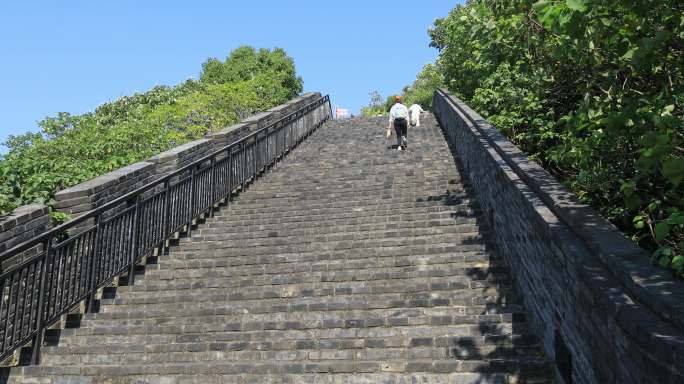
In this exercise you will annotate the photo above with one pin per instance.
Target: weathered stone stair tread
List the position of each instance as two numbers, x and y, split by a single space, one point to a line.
170 316
369 223
312 274
473 238
301 289
346 262
304 235
311 378
351 194
320 258
348 218
349 212
322 319
396 332
338 350
323 366
285 294
385 280
458 298
477 280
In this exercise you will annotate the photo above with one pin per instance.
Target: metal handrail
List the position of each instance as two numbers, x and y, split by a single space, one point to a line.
77 258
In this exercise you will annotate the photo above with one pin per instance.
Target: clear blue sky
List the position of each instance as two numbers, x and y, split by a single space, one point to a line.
74 55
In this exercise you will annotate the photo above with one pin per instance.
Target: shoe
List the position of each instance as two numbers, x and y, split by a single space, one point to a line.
398 148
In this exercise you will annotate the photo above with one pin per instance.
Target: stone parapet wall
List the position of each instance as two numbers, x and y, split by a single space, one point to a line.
237 131
603 313
96 192
19 226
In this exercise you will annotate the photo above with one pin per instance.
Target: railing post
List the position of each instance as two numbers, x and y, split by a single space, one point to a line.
167 213
212 183
192 199
282 130
289 145
267 156
254 157
90 300
134 241
38 339
330 113
243 165
230 175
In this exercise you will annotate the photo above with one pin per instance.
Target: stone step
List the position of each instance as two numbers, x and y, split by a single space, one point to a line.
372 223
317 192
386 283
264 321
332 212
267 292
371 204
403 180
307 282
303 350
354 241
316 262
400 329
302 235
516 366
287 315
346 217
363 249
320 272
459 298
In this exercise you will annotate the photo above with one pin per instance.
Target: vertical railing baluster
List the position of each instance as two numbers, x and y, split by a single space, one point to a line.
92 282
212 183
291 135
192 199
167 219
254 158
230 175
38 338
243 165
18 308
134 242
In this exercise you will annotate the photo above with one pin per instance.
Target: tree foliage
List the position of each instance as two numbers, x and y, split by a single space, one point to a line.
420 92
377 107
422 89
591 89
70 149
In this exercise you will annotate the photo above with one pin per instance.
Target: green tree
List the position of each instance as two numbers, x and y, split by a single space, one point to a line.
592 90
422 89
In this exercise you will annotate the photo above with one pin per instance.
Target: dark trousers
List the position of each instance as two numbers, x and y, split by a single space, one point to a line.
401 128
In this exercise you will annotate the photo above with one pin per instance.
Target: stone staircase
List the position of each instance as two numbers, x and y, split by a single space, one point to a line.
348 262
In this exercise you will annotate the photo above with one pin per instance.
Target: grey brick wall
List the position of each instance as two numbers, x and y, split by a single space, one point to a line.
96 192
603 313
235 132
19 226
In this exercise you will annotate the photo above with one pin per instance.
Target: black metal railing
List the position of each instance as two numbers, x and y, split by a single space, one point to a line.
81 256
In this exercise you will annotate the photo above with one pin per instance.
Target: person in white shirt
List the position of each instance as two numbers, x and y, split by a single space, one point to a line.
414 114
398 117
